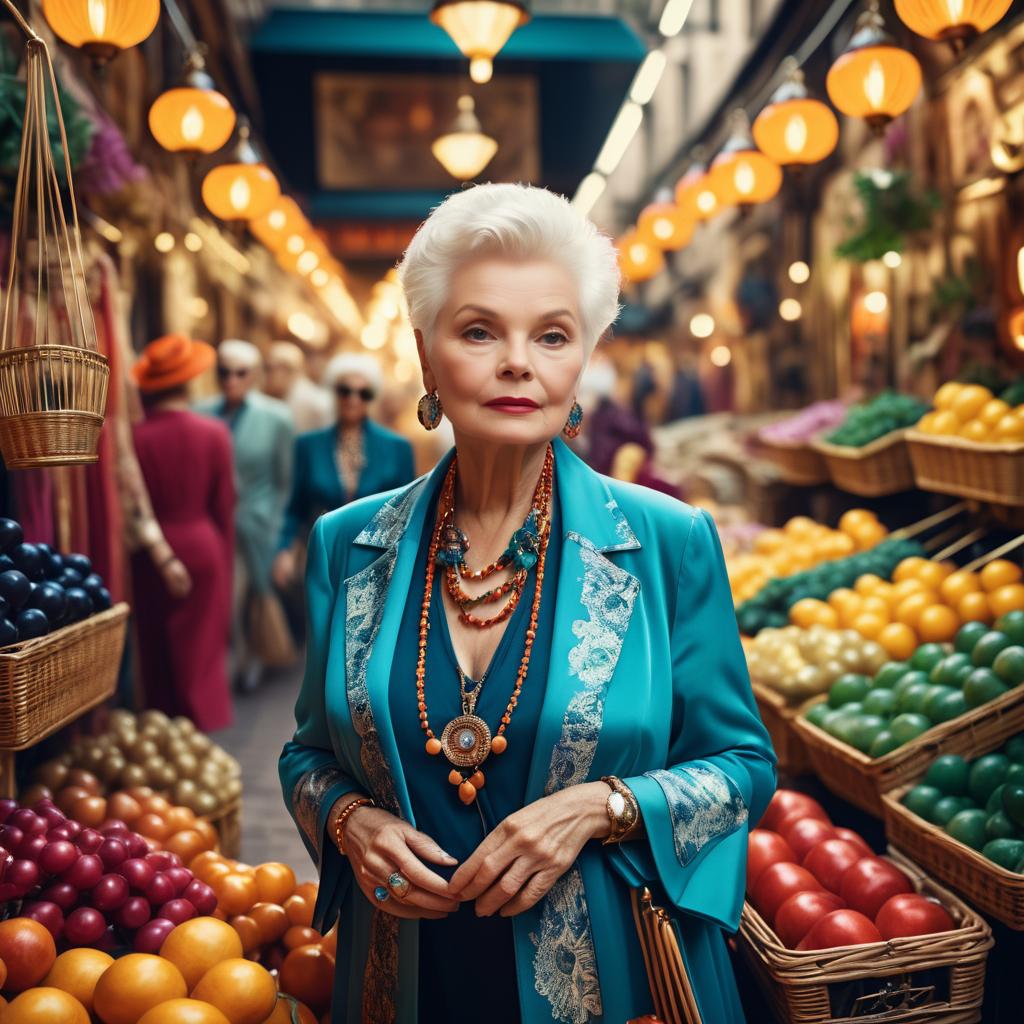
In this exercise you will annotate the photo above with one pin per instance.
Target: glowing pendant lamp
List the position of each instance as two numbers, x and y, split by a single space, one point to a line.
695 193
873 78
795 129
664 225
741 174
243 189
953 21
638 259
193 118
464 151
480 28
280 224
102 28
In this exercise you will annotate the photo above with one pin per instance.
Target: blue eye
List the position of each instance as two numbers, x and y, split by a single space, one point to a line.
476 334
554 338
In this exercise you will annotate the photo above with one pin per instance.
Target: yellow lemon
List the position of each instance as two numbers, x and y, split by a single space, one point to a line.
945 422
1010 427
926 424
971 400
992 412
947 394
1000 573
975 430
899 640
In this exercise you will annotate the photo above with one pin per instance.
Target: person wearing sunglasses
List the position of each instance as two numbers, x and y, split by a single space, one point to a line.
311 406
352 459
263 437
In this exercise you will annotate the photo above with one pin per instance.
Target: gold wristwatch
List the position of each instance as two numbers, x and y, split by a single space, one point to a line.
623 810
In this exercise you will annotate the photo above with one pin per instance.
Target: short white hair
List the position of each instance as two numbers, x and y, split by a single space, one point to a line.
520 222
243 353
289 354
354 363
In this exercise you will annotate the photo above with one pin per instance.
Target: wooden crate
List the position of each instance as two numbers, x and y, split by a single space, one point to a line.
880 468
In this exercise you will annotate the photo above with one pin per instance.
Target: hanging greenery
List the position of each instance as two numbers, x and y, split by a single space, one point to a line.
891 211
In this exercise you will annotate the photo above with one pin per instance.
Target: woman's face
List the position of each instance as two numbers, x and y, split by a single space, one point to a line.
353 395
507 350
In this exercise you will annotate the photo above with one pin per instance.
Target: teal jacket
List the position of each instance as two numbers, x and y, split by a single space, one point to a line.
316 485
646 680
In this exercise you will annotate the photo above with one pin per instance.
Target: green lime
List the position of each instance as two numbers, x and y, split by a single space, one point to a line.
968 827
988 647
885 743
846 728
1014 749
922 800
913 697
949 806
949 773
985 775
909 726
995 799
927 656
981 686
865 730
1009 665
1013 803
880 702
946 708
908 679
969 634
1012 624
1007 853
933 701
1001 827
918 701
830 720
818 713
848 689
1015 772
952 670
889 674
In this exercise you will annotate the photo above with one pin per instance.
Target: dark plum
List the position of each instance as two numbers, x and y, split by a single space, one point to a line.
92 584
32 623
11 534
79 604
30 560
77 562
15 587
51 599
102 600
8 633
69 578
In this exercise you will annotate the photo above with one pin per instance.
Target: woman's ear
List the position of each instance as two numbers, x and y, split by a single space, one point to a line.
428 376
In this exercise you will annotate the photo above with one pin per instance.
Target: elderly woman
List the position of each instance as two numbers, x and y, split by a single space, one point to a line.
525 692
352 459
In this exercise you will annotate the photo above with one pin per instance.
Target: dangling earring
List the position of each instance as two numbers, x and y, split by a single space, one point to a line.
574 423
428 412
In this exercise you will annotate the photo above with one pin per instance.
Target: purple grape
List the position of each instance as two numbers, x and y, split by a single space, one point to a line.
49 915
7 808
180 879
89 840
74 827
115 827
51 815
150 937
10 837
161 860
134 914
85 872
64 894
137 845
159 890
30 847
59 832
28 821
177 911
57 856
84 926
138 873
109 893
114 851
201 896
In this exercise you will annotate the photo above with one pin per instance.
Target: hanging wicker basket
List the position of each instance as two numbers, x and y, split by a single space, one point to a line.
53 381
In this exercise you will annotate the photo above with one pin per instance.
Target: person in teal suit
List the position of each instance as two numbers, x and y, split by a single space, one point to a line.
351 459
525 692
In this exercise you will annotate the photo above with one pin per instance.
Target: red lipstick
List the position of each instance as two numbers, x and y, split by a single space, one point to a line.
512 404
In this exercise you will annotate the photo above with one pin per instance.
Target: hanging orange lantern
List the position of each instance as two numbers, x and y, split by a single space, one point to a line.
280 223
794 128
193 118
639 260
480 28
695 193
243 189
664 225
102 28
873 78
741 174
951 20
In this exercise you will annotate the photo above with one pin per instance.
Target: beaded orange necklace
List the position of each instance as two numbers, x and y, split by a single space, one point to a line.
466 740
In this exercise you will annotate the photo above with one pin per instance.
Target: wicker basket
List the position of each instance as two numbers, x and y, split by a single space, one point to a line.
228 823
923 978
52 402
992 889
777 715
880 468
50 681
798 462
953 465
862 780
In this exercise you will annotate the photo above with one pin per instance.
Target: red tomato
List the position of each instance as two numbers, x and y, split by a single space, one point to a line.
765 848
803 834
870 882
800 912
856 838
840 928
777 883
830 860
785 802
912 914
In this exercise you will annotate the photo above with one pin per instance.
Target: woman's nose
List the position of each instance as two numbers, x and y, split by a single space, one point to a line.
516 359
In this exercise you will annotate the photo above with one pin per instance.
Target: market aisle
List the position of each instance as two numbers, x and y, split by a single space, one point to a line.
263 722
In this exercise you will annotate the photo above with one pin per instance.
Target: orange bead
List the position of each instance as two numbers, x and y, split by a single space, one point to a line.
433 746
467 793
455 777
477 779
498 744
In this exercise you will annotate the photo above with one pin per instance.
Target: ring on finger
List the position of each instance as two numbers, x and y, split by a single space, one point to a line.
381 894
399 885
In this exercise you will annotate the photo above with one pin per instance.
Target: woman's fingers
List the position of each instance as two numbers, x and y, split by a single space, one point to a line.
489 869
426 849
403 908
505 888
535 889
406 863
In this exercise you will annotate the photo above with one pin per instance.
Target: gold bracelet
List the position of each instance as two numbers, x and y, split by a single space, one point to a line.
623 810
339 831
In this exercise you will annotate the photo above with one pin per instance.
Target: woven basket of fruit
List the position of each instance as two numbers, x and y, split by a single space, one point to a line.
873 470
964 822
797 461
843 971
228 823
968 469
48 681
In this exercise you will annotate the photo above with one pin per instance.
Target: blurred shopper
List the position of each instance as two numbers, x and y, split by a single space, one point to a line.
349 460
634 465
263 435
182 582
287 381
609 424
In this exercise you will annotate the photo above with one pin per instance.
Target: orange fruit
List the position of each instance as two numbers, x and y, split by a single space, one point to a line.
91 811
869 534
204 860
992 412
970 401
157 804
926 424
207 831
908 569
973 607
236 892
975 430
308 891
909 609
875 604
801 526
152 826
243 991
855 518
134 984
272 921
947 394
954 586
27 950
1009 428
297 936
931 574
123 807
197 945
248 931
865 585
850 611
808 612
869 625
1007 599
180 818
308 974
77 971
937 624
1000 573
283 1011
899 640
184 1011
945 422
299 910
186 844
843 598
769 541
274 882
45 1006
903 589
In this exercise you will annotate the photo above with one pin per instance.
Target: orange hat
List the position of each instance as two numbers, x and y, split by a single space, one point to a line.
171 361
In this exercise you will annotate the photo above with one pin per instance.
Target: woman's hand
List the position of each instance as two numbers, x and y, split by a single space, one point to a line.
377 844
176 578
530 850
283 569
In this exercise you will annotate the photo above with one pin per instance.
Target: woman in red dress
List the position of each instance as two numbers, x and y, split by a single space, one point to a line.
182 594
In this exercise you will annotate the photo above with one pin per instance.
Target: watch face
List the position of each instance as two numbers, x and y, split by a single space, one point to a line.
617 804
